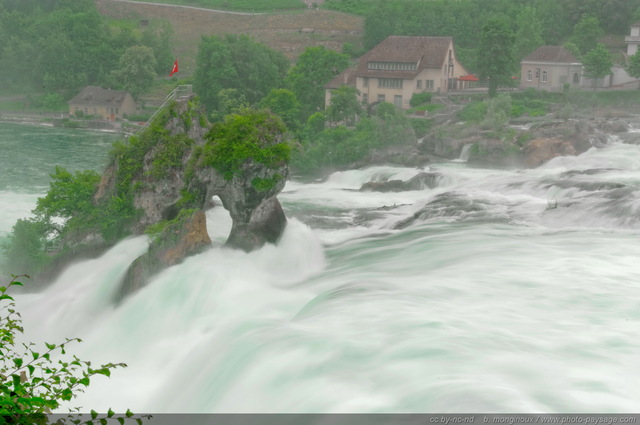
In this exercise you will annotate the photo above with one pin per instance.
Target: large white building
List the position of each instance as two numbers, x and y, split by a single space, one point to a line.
401 66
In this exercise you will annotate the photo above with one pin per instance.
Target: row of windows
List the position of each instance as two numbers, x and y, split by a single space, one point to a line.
428 84
394 66
390 83
396 83
95 110
545 76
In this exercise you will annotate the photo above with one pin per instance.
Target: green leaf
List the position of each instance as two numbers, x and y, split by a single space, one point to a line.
129 413
84 381
35 355
94 414
66 394
31 369
110 413
103 421
121 420
18 363
50 346
139 421
104 371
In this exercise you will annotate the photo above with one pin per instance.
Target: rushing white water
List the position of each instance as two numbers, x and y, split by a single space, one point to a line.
475 296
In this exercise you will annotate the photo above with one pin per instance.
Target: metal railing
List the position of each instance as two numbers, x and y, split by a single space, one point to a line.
180 92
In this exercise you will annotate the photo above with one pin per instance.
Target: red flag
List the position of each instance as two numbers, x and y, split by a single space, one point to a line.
175 68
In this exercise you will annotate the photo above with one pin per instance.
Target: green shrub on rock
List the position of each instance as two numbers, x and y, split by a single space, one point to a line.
250 135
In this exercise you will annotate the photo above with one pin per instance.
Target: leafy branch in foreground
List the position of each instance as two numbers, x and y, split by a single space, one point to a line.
34 382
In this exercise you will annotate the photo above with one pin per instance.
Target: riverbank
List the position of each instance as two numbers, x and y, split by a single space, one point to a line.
57 119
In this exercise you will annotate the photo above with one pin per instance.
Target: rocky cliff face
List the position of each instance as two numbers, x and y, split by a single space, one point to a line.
169 172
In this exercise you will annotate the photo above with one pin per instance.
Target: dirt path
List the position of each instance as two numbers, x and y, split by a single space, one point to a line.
187 7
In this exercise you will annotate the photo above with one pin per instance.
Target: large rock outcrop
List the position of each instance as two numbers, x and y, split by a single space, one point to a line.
167 174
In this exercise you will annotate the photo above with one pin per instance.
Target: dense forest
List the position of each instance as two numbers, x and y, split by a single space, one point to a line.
57 46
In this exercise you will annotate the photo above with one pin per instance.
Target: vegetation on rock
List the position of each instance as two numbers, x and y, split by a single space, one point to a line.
251 135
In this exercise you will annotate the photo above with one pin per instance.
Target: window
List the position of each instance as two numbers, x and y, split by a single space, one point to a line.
418 84
393 66
397 100
390 83
576 78
529 75
365 98
365 82
544 76
381 98
428 84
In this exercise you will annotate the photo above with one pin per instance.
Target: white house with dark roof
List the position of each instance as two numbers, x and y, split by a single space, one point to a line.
401 66
105 103
550 68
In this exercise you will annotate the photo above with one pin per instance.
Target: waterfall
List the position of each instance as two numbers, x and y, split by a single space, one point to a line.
464 154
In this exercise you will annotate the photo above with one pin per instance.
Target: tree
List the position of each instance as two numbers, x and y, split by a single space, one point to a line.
237 62
52 101
229 101
344 105
316 66
495 52
34 382
597 63
573 49
555 26
633 66
159 40
136 70
283 103
528 35
586 33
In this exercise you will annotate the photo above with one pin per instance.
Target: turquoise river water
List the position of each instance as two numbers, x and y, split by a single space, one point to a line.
496 291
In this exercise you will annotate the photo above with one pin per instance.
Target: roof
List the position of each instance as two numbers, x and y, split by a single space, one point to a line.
94 95
551 54
427 52
346 77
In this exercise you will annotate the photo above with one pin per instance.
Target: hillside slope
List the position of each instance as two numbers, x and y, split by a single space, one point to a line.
289 33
